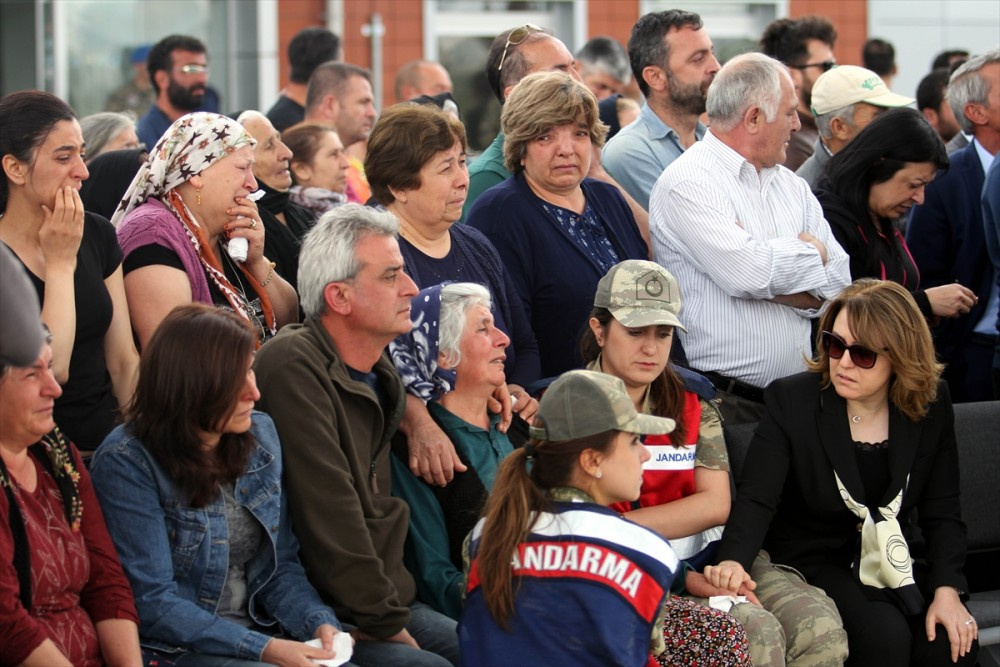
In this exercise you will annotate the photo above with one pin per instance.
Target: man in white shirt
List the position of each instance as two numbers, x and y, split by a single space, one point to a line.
746 239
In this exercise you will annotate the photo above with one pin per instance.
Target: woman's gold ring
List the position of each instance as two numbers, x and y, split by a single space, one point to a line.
970 621
253 223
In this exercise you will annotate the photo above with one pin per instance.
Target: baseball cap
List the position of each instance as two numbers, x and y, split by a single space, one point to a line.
582 403
640 293
850 84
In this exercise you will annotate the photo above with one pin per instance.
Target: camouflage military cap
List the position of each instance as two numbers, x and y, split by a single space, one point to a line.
582 403
639 294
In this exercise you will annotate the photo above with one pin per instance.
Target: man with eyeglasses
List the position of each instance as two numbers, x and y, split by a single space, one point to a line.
805 46
178 70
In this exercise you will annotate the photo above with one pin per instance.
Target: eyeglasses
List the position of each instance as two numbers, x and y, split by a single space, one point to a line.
835 346
194 69
516 36
827 65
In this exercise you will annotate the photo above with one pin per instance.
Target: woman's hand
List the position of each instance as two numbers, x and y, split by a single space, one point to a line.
62 229
952 300
245 223
285 652
947 610
522 402
699 586
730 576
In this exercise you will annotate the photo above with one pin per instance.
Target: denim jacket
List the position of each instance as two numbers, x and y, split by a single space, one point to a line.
177 556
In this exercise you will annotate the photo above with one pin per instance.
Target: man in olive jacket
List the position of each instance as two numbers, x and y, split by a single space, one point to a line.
336 400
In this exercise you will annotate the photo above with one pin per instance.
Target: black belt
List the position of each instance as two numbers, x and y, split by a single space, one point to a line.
735 387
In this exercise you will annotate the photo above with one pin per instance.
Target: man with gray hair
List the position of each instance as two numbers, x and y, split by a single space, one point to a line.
603 66
844 101
746 239
336 400
673 63
945 233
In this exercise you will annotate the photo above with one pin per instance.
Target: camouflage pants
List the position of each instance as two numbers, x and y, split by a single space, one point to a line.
798 624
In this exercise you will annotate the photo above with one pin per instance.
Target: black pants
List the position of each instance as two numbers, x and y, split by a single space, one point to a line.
878 633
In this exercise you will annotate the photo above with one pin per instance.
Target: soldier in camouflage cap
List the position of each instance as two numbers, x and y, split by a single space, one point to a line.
582 403
640 293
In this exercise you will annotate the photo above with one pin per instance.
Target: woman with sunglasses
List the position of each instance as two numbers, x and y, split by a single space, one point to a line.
844 455
872 183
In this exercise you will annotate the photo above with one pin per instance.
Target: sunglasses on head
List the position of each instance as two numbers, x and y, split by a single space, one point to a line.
516 36
835 346
827 65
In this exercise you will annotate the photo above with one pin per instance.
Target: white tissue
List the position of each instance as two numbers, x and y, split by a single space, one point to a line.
255 196
725 602
238 248
343 646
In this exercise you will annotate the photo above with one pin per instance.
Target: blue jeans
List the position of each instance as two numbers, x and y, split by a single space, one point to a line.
153 658
435 633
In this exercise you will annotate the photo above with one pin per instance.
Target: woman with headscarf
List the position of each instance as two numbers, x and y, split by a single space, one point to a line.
180 224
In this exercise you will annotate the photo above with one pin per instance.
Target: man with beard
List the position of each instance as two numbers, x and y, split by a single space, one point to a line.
284 222
178 70
805 46
673 63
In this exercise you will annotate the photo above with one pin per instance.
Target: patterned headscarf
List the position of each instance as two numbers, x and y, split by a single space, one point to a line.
415 354
191 145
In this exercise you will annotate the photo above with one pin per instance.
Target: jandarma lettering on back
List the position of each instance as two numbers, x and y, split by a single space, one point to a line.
663 457
547 558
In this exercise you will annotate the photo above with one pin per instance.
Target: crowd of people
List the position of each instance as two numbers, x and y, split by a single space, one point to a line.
280 387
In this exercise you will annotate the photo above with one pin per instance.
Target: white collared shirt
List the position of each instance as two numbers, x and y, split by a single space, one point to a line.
729 233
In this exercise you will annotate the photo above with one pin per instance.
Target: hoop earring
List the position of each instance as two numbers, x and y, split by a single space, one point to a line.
197 196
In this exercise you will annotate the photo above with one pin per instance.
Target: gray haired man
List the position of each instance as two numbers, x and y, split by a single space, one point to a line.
844 101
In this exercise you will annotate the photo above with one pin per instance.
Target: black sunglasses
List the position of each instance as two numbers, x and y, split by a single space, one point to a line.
835 346
516 36
827 65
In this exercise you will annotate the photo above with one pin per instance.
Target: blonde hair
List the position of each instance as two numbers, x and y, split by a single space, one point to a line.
540 102
883 316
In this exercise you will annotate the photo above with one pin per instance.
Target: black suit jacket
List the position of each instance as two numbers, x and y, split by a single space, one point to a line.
788 502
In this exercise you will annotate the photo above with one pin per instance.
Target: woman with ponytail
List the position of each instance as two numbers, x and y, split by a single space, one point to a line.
550 558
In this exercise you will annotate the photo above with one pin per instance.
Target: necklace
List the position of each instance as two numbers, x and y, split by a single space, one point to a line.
856 419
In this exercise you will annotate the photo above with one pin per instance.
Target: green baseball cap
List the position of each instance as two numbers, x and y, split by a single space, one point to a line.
582 403
639 294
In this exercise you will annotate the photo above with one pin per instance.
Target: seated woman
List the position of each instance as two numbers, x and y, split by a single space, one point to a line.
187 200
547 513
557 231
453 358
318 165
844 455
869 186
685 493
73 260
416 167
63 597
191 488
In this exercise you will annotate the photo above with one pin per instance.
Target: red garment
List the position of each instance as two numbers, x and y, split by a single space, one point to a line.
669 473
76 577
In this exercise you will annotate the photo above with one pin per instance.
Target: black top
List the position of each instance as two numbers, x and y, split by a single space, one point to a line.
282 241
285 113
87 409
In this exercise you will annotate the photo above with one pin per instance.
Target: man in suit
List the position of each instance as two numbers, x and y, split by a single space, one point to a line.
945 233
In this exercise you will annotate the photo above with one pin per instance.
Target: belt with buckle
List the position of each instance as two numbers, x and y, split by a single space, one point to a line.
735 387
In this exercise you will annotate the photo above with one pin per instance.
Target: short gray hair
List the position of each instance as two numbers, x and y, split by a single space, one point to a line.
100 128
964 88
607 55
457 299
748 80
329 250
845 114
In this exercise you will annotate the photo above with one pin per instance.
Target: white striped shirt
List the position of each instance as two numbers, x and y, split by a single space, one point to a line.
729 236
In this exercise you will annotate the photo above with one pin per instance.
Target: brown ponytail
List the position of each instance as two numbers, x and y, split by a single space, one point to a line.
516 494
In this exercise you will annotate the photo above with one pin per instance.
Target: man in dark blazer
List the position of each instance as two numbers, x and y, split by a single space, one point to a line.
945 233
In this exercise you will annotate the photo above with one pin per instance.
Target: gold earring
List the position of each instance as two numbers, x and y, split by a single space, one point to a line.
197 200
